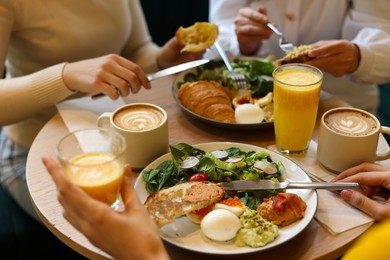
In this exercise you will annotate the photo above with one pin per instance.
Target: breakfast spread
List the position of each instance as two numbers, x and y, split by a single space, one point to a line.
188 185
198 37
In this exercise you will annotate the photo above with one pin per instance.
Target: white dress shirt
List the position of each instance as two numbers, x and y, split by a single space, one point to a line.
365 23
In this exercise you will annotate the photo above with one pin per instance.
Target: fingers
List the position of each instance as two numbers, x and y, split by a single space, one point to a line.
56 172
76 203
376 210
251 21
111 75
129 196
124 75
254 16
364 167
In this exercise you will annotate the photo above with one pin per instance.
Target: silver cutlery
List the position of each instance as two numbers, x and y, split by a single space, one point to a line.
283 43
238 78
270 185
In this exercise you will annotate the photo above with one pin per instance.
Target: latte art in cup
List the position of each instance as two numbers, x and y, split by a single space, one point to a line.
138 118
351 123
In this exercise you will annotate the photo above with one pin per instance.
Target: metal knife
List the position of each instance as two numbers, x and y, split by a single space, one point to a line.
169 71
270 185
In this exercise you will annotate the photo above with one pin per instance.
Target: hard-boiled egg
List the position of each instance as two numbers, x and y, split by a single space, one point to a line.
220 225
248 114
234 209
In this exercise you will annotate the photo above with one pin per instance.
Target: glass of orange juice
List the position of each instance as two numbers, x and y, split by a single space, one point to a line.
93 159
296 98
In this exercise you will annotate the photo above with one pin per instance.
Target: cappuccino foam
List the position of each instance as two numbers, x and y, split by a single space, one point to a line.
138 118
352 123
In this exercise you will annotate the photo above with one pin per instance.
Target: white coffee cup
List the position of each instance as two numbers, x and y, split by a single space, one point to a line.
145 128
349 136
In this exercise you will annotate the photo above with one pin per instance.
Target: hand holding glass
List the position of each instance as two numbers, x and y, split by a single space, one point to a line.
296 99
94 160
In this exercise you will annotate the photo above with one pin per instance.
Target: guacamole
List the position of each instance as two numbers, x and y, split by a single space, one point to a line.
255 231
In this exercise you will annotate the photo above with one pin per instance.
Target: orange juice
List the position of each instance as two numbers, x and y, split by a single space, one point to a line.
296 98
99 174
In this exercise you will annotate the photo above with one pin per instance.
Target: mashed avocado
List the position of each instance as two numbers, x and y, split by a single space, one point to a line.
255 231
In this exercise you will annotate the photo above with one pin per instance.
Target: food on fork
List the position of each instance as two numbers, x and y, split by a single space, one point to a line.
208 99
168 204
283 209
198 37
297 55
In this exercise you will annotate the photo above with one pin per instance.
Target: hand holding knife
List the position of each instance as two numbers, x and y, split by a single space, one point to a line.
169 71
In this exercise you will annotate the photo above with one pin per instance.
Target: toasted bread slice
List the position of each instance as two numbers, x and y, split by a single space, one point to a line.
168 204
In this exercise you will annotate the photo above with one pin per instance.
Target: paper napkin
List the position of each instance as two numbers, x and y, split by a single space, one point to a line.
84 112
333 213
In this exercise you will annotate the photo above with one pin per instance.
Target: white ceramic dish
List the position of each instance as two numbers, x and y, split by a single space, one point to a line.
185 234
175 90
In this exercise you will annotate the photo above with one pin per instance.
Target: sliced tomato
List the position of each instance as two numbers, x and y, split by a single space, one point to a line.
199 177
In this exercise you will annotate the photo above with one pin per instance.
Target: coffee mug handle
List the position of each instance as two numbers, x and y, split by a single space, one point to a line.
104 120
386 155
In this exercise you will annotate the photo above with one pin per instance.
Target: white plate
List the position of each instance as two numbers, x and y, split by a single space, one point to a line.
185 234
175 90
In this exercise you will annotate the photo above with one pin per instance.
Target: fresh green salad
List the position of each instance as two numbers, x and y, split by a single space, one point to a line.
257 72
192 164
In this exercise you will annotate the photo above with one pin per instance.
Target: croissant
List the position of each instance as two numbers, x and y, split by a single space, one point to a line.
208 99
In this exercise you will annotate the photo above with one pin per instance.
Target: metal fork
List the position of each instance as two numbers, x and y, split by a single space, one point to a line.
283 43
237 78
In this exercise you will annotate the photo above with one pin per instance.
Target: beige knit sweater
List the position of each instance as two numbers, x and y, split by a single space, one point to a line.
38 37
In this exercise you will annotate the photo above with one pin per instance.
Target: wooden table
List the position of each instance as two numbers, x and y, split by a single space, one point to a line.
313 243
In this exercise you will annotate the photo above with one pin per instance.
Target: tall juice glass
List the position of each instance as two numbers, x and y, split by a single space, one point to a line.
296 98
93 159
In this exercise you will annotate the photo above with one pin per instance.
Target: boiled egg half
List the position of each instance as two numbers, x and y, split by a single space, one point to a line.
248 114
220 225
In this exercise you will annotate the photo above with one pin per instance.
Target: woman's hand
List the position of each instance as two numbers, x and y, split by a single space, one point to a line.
170 54
337 57
111 75
130 234
251 28
374 181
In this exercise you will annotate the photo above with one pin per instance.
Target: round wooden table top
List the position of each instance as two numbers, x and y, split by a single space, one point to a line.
314 242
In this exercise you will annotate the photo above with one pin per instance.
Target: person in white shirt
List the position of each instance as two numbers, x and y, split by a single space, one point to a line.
57 50
351 39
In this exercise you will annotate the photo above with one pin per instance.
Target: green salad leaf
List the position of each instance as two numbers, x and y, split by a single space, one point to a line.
171 172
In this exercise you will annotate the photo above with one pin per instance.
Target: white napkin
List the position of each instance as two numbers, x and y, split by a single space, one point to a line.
84 112
333 213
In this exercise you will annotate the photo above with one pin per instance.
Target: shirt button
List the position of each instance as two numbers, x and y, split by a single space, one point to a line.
290 17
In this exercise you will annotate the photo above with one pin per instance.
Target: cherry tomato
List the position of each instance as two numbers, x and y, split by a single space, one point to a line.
198 177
